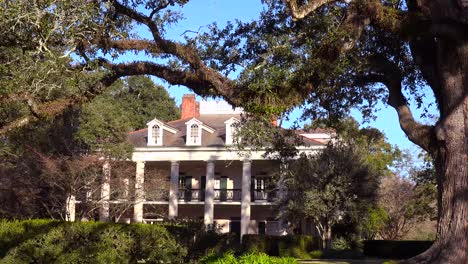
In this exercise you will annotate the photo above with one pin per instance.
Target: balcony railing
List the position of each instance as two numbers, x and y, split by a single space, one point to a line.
227 195
189 195
222 195
263 195
157 195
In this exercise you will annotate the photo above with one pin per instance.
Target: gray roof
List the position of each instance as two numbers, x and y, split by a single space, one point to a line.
216 139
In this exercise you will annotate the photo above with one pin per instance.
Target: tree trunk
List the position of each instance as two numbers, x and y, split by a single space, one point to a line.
326 237
450 151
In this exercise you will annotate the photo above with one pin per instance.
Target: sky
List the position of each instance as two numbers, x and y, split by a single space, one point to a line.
199 13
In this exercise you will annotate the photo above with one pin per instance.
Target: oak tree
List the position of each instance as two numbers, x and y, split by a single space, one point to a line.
331 55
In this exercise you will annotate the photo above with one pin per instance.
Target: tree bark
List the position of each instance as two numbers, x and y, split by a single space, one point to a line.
450 153
326 236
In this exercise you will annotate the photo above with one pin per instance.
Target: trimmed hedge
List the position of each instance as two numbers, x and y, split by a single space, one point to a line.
297 246
395 249
48 241
258 258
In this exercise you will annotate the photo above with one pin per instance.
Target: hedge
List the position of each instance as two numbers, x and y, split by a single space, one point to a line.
257 258
48 241
395 249
297 246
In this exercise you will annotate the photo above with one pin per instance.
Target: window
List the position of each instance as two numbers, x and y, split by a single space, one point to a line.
231 129
194 136
156 133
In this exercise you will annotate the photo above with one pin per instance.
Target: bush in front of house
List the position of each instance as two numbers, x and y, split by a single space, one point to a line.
395 249
48 241
258 258
297 246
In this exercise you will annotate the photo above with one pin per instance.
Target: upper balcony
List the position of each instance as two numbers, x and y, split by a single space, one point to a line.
224 196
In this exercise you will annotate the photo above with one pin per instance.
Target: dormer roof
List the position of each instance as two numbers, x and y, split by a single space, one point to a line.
200 123
163 125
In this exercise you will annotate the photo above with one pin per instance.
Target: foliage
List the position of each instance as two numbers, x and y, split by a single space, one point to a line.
63 158
48 241
374 222
404 204
316 254
257 258
127 106
370 143
329 57
328 187
297 246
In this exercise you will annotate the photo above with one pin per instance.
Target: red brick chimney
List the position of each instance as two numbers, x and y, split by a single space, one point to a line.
189 108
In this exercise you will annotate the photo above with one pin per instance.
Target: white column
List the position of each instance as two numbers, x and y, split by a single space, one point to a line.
70 208
105 192
284 167
174 190
125 188
139 192
209 194
245 203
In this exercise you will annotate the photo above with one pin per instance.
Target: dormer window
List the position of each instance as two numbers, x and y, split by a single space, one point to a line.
231 128
155 132
194 134
157 139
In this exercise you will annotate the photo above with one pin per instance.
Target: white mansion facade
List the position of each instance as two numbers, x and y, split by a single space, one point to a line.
206 178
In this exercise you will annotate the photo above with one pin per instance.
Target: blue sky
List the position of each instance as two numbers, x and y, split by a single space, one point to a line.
199 13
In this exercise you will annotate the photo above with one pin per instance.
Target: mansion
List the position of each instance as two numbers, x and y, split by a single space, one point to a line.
203 176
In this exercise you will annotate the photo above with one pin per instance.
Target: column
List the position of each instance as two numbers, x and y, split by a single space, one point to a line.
245 202
105 192
209 194
70 208
125 188
282 223
87 205
174 190
139 192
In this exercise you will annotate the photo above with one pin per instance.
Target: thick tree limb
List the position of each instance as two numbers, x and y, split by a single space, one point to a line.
299 12
219 84
123 45
419 134
390 75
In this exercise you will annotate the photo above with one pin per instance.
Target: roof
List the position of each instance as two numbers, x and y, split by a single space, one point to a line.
138 138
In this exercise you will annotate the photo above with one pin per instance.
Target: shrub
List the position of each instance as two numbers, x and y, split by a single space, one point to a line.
316 254
87 242
154 244
288 246
395 249
250 258
14 232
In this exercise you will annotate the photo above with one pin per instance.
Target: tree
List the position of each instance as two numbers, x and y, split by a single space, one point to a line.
329 54
431 37
65 156
127 106
404 206
327 188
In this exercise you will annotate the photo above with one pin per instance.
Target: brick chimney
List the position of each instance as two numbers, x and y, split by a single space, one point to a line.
189 108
